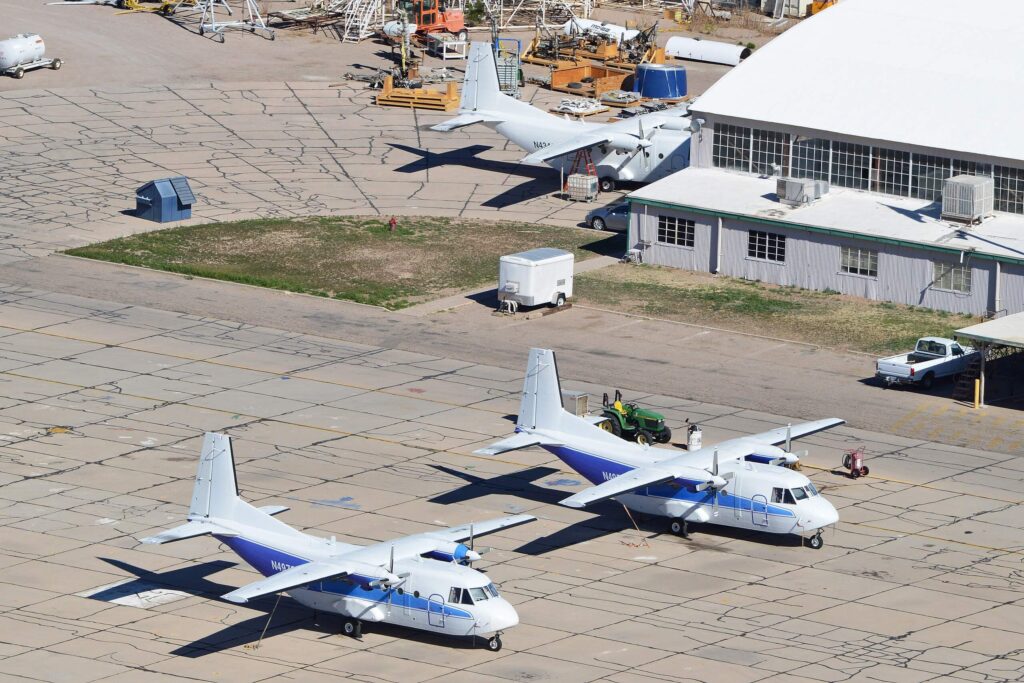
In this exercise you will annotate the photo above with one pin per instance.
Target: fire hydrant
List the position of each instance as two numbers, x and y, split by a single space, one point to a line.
854 461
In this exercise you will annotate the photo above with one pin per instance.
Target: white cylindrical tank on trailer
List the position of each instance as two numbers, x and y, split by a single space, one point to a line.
21 49
393 29
575 27
706 50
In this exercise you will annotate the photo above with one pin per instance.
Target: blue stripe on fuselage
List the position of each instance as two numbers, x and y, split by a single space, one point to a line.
597 470
269 561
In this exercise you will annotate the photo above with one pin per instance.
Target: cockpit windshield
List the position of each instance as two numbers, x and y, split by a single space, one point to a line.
470 596
793 496
800 493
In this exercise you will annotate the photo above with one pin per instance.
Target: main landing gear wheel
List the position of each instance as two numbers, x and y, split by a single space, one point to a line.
353 628
679 528
815 541
494 643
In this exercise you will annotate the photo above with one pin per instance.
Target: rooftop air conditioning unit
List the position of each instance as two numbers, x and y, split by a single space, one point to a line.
799 191
967 198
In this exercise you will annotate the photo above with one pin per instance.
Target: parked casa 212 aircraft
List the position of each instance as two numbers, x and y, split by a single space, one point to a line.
422 581
639 149
738 483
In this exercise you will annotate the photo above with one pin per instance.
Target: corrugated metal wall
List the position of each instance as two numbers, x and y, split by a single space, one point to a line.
813 262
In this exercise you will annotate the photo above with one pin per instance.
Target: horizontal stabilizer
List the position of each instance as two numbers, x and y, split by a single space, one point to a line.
188 530
273 509
513 443
460 121
296 577
595 419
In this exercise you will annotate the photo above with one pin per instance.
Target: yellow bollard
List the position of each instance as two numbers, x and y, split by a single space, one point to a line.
977 394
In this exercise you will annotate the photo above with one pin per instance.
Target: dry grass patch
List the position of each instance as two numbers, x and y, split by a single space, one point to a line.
348 257
824 318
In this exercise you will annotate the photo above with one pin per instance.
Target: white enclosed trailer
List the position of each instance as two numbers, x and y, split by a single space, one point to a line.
535 277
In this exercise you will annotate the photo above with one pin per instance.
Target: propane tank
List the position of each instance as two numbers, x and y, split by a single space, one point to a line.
599 29
393 29
21 49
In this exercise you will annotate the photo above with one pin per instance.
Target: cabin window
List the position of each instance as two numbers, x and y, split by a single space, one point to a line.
787 497
800 494
776 495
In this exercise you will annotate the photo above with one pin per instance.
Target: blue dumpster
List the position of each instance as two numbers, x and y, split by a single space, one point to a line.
165 200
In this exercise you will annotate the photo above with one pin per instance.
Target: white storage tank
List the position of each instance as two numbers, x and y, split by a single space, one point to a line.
536 277
21 49
706 50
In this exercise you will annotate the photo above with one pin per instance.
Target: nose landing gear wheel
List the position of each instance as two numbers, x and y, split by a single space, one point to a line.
679 528
815 541
494 643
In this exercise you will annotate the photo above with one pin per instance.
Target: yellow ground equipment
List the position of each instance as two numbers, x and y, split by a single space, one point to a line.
419 98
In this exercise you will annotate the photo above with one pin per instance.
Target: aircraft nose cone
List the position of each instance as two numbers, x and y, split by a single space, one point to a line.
502 615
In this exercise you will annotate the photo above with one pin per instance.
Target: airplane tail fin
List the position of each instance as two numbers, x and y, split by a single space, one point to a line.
216 507
541 405
480 87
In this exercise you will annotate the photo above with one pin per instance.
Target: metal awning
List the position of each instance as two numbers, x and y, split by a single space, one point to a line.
1005 331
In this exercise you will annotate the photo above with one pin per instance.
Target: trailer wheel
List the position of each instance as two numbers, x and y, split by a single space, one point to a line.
57 64
559 300
18 73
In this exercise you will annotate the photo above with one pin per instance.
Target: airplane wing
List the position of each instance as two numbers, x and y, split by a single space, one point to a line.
457 534
459 121
568 147
634 479
302 575
778 435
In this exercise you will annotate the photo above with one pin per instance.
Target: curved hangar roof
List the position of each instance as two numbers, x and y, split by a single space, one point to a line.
936 73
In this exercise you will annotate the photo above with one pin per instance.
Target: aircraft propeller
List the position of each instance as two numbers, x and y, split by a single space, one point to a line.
716 483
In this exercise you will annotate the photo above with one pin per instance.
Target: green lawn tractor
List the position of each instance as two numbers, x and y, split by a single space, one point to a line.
633 423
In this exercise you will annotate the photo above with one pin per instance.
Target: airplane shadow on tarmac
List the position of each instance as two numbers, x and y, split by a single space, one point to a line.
286 616
542 180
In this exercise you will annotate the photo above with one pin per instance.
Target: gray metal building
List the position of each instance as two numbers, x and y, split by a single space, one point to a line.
864 122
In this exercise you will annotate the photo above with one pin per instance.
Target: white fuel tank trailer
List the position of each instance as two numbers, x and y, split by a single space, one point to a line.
24 52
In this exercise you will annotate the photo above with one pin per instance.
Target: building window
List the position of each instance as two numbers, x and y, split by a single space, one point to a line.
961 167
952 277
770 150
929 175
811 158
891 172
859 261
768 246
731 148
851 165
673 230
1009 189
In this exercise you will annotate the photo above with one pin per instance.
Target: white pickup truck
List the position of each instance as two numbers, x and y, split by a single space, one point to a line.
932 358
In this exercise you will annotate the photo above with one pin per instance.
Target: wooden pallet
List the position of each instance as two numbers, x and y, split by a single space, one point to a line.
418 98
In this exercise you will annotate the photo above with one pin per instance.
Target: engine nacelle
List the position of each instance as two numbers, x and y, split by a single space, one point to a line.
454 552
772 455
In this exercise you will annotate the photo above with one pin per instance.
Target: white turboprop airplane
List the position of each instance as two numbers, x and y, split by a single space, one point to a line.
737 483
640 149
421 581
